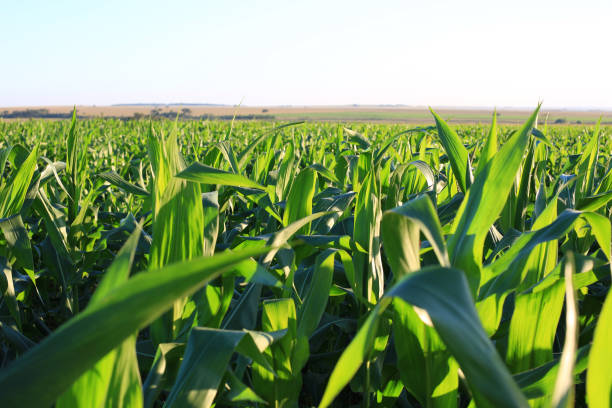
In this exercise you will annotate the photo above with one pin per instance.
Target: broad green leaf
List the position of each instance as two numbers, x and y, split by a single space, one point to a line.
282 236
206 359
315 301
563 395
445 295
358 139
76 167
178 224
201 173
599 375
324 171
228 154
299 201
366 231
490 147
601 229
210 206
539 382
14 192
18 242
286 356
426 170
504 275
286 173
163 371
456 152
533 327
114 381
336 206
426 367
587 166
15 338
118 181
239 392
401 229
244 313
522 196
4 155
33 380
595 202
7 289
354 355
244 155
483 203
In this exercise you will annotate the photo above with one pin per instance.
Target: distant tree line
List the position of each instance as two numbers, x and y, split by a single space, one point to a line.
35 113
185 113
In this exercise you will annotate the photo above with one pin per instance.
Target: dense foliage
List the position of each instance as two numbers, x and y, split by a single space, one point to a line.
304 264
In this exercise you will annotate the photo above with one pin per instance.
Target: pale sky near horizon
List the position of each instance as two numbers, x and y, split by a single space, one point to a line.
438 53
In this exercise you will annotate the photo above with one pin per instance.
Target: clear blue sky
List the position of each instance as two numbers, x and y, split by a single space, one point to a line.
460 53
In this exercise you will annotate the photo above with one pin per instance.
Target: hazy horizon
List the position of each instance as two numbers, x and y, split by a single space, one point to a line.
323 106
473 54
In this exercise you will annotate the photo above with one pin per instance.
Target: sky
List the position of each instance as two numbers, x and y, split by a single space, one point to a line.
469 53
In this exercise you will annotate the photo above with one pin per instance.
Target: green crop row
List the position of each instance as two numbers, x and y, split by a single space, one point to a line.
199 264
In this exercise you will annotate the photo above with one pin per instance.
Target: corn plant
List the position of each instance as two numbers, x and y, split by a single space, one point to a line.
150 263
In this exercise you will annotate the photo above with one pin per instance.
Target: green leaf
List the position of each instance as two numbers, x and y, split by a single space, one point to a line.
539 382
7 288
504 275
178 225
206 359
563 395
245 155
210 206
358 139
201 173
594 203
286 356
239 392
18 242
285 173
490 147
426 170
20 342
426 367
324 171
4 155
366 232
521 201
118 181
228 154
244 314
401 229
533 327
483 203
33 380
281 237
599 375
315 301
162 374
457 153
335 206
14 192
354 355
587 166
299 201
445 295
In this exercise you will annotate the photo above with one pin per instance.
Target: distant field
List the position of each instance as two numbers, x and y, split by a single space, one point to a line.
293 254
417 115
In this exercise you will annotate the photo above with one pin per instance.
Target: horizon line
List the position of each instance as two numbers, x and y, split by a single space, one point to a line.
346 105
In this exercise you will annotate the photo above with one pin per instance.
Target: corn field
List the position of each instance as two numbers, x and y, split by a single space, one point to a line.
199 264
